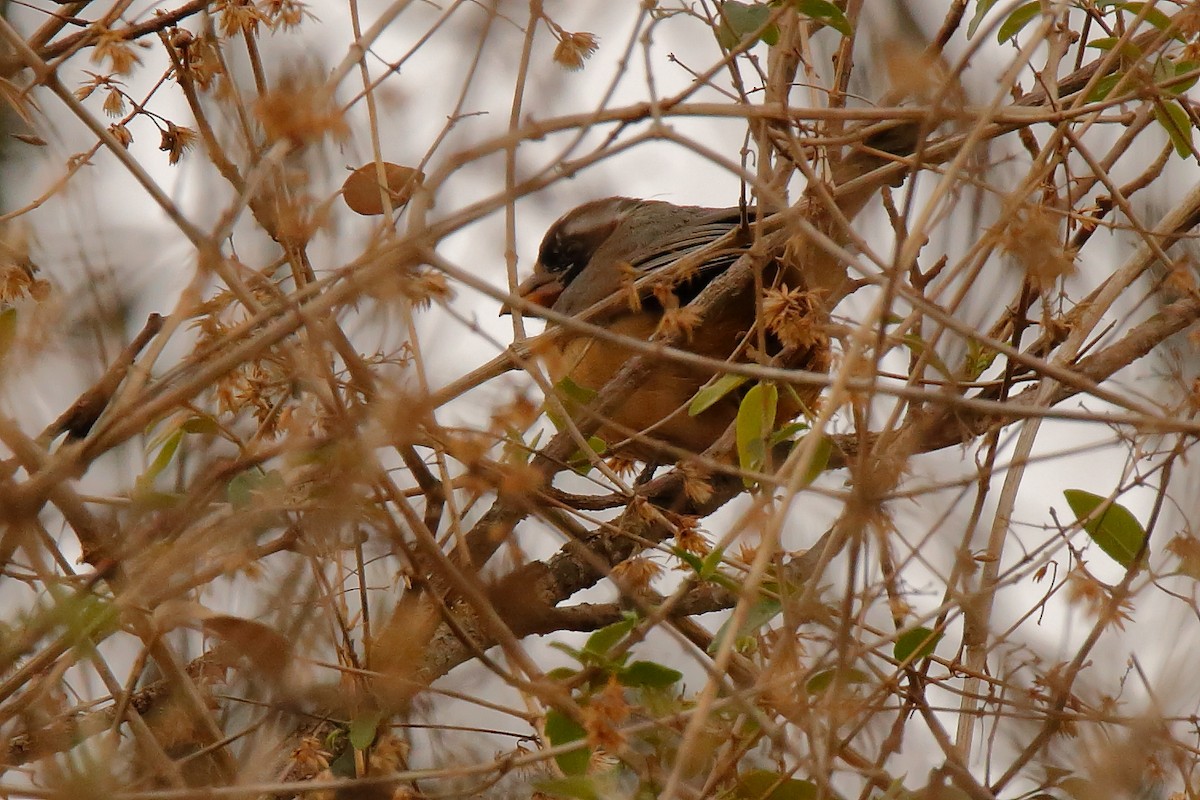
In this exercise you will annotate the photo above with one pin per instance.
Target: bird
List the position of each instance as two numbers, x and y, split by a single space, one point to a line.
594 262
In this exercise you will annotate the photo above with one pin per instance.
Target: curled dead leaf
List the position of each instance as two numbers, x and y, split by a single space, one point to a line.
361 189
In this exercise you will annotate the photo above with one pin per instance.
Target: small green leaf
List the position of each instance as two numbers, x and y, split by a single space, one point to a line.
1179 68
1104 87
1153 16
561 730
8 329
763 611
979 357
691 559
566 648
824 679
580 461
918 347
147 498
574 787
755 419
1017 21
711 563
826 12
1129 50
761 784
362 730
820 459
1178 125
914 644
562 674
739 20
162 460
573 391
605 639
241 487
648 674
982 7
1116 531
203 424
713 391
787 433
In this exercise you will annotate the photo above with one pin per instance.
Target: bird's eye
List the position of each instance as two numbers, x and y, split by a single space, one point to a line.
571 243
564 255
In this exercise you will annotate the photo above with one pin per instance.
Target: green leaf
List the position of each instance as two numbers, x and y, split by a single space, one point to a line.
1017 21
577 787
580 461
8 329
562 674
691 559
820 459
713 391
763 611
573 396
1178 125
561 730
1104 87
826 12
605 639
147 498
566 648
914 644
1179 68
203 424
711 563
919 347
1116 531
982 7
1153 16
238 490
755 419
571 390
1129 50
89 618
979 357
787 433
825 678
739 20
648 674
362 730
162 460
761 784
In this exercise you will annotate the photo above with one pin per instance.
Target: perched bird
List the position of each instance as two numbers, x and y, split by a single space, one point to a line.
602 250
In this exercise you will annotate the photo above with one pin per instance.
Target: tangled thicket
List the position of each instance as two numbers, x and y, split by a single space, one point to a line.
280 512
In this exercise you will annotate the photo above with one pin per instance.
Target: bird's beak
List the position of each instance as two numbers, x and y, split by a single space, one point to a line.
541 288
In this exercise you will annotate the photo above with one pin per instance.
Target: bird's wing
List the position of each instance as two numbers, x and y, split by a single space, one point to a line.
690 240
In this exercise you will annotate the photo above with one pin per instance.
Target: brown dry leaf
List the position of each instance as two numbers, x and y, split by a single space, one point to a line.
690 537
912 71
17 100
300 113
635 575
696 483
793 316
361 191
1032 237
117 50
679 322
575 48
603 716
267 650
